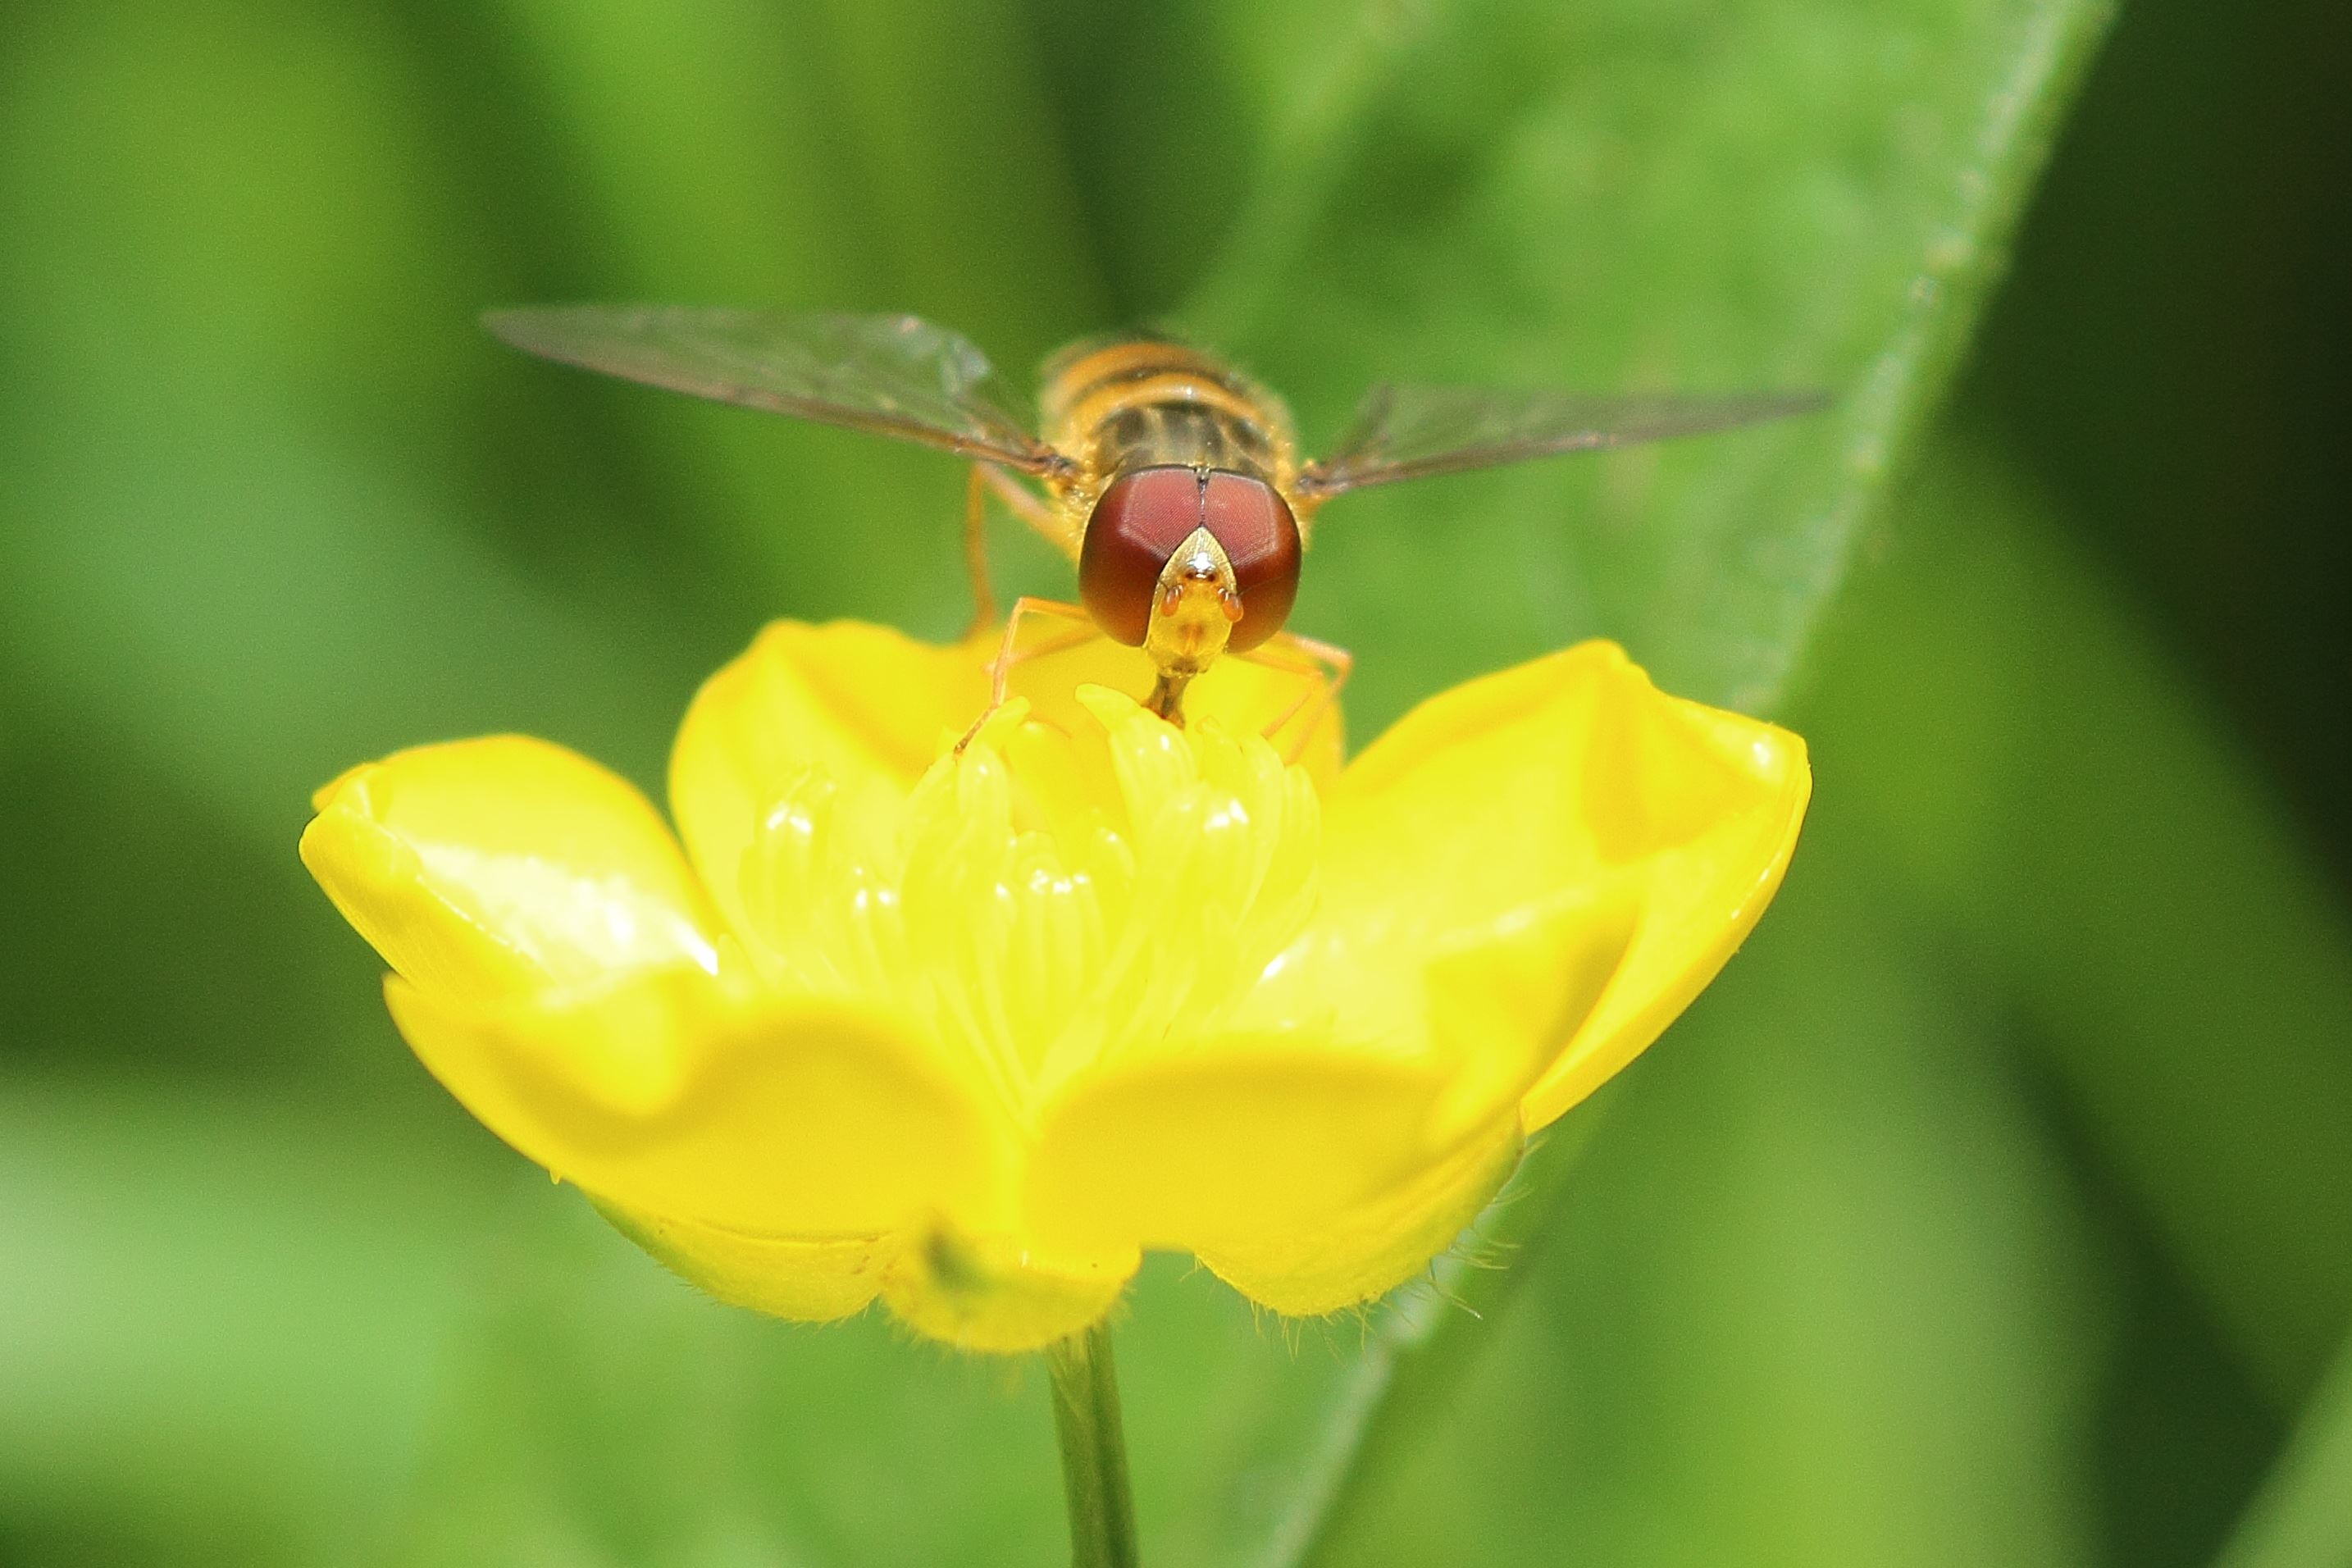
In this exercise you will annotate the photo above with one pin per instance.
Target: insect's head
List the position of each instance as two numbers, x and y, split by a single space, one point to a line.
1188 563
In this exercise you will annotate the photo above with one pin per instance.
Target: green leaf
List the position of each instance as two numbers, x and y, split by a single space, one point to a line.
2302 1516
2039 769
1626 197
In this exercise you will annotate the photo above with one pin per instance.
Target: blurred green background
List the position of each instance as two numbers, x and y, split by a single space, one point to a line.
1996 1207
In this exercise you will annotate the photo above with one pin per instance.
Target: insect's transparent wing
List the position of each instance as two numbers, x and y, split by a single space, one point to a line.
891 375
1413 432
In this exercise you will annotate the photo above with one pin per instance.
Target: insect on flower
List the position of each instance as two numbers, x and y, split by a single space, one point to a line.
969 1026
1171 480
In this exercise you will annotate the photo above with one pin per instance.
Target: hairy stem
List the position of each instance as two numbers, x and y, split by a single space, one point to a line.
1093 1450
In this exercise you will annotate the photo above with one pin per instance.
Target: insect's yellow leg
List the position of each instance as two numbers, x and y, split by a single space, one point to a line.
975 551
1009 652
1327 667
1338 662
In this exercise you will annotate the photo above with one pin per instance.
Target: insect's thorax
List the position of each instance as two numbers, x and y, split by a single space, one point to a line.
1143 402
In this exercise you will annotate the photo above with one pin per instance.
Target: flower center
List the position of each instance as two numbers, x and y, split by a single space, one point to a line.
1045 901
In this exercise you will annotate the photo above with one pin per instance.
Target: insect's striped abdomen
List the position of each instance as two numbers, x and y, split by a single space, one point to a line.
1141 403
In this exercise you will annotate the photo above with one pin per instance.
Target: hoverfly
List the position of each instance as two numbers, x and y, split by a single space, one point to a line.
1170 479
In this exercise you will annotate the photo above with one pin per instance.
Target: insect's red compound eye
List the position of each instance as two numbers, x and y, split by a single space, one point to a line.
1136 527
1252 522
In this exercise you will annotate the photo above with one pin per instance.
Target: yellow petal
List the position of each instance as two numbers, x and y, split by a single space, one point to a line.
1373 1247
505 867
1488 1012
785 1118
994 1294
861 707
1228 1145
1504 1003
784 1277
1572 772
1708 868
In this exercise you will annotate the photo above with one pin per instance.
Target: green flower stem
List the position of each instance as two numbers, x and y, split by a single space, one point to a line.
1093 1450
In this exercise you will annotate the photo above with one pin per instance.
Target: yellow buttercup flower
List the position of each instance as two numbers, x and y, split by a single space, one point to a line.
971 1031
